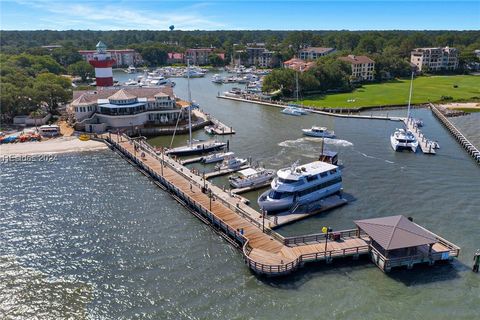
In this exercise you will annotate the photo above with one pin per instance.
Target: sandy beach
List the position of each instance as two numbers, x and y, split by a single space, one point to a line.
56 145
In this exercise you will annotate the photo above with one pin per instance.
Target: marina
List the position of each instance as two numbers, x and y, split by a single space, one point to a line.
265 251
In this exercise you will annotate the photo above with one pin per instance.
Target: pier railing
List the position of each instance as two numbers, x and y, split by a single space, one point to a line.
321 237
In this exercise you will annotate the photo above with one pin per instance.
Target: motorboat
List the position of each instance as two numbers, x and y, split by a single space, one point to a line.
320 132
217 79
301 110
234 92
131 69
251 177
300 185
403 139
193 73
131 82
434 144
291 111
417 122
217 157
231 163
209 129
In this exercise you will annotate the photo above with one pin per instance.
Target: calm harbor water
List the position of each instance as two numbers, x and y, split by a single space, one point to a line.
87 236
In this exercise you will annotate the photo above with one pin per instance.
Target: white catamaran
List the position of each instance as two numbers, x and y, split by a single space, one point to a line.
403 138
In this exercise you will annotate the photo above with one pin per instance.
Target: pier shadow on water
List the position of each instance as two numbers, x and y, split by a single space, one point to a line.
422 274
311 270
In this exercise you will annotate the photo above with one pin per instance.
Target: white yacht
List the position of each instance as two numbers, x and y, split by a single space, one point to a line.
131 82
303 111
131 69
403 139
320 132
291 111
217 79
251 177
217 157
300 185
231 163
234 92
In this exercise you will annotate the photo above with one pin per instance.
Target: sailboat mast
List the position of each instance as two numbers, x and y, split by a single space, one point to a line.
410 96
189 106
296 81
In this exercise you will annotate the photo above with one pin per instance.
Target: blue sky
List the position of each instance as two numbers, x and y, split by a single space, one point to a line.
239 15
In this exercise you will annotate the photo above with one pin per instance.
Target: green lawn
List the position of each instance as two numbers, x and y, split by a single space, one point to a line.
395 92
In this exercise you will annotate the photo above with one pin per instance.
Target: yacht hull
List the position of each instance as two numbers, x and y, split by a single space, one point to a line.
198 149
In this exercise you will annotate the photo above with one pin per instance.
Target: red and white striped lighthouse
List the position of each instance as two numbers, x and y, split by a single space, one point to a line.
102 62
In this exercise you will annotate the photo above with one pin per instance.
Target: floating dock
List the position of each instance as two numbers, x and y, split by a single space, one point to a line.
464 142
265 252
223 172
191 160
219 128
425 144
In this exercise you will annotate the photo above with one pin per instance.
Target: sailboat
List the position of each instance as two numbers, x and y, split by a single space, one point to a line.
198 147
403 138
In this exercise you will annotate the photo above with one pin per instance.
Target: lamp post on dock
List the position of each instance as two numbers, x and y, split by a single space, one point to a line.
163 160
210 195
263 220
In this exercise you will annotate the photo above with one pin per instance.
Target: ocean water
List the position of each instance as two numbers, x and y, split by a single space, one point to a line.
88 236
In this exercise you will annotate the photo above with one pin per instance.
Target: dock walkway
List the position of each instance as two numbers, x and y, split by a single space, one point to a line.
265 251
425 144
464 142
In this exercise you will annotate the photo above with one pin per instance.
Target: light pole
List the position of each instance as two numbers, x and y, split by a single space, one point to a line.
263 220
163 160
210 197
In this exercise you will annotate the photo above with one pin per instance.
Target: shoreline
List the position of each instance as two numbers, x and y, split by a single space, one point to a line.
51 146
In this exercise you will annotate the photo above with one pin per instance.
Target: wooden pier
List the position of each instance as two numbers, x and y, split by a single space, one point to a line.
220 128
464 142
265 252
425 144
223 172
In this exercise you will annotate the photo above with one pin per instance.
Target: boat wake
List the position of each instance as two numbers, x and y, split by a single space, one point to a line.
372 157
305 141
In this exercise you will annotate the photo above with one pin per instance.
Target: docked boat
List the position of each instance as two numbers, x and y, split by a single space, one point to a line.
319 132
403 139
217 79
231 163
209 129
199 147
131 69
417 122
251 177
291 111
234 92
217 157
300 185
131 82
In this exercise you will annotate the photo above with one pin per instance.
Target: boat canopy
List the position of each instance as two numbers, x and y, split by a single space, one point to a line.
248 172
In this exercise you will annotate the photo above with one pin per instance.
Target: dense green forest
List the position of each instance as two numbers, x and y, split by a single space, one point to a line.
30 74
353 41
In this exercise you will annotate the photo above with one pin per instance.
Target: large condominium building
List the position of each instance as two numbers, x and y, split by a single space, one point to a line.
259 56
312 53
362 67
124 57
435 59
201 56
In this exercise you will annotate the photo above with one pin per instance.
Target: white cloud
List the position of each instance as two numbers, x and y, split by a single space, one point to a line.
115 16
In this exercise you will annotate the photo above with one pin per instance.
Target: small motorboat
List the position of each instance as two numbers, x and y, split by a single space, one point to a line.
434 144
231 163
417 123
292 111
217 157
319 132
209 129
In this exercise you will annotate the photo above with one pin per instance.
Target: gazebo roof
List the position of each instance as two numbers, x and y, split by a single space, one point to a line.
395 232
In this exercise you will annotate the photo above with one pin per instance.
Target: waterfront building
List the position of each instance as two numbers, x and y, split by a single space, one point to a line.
259 56
96 111
435 59
362 67
122 57
298 64
201 56
175 57
312 53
